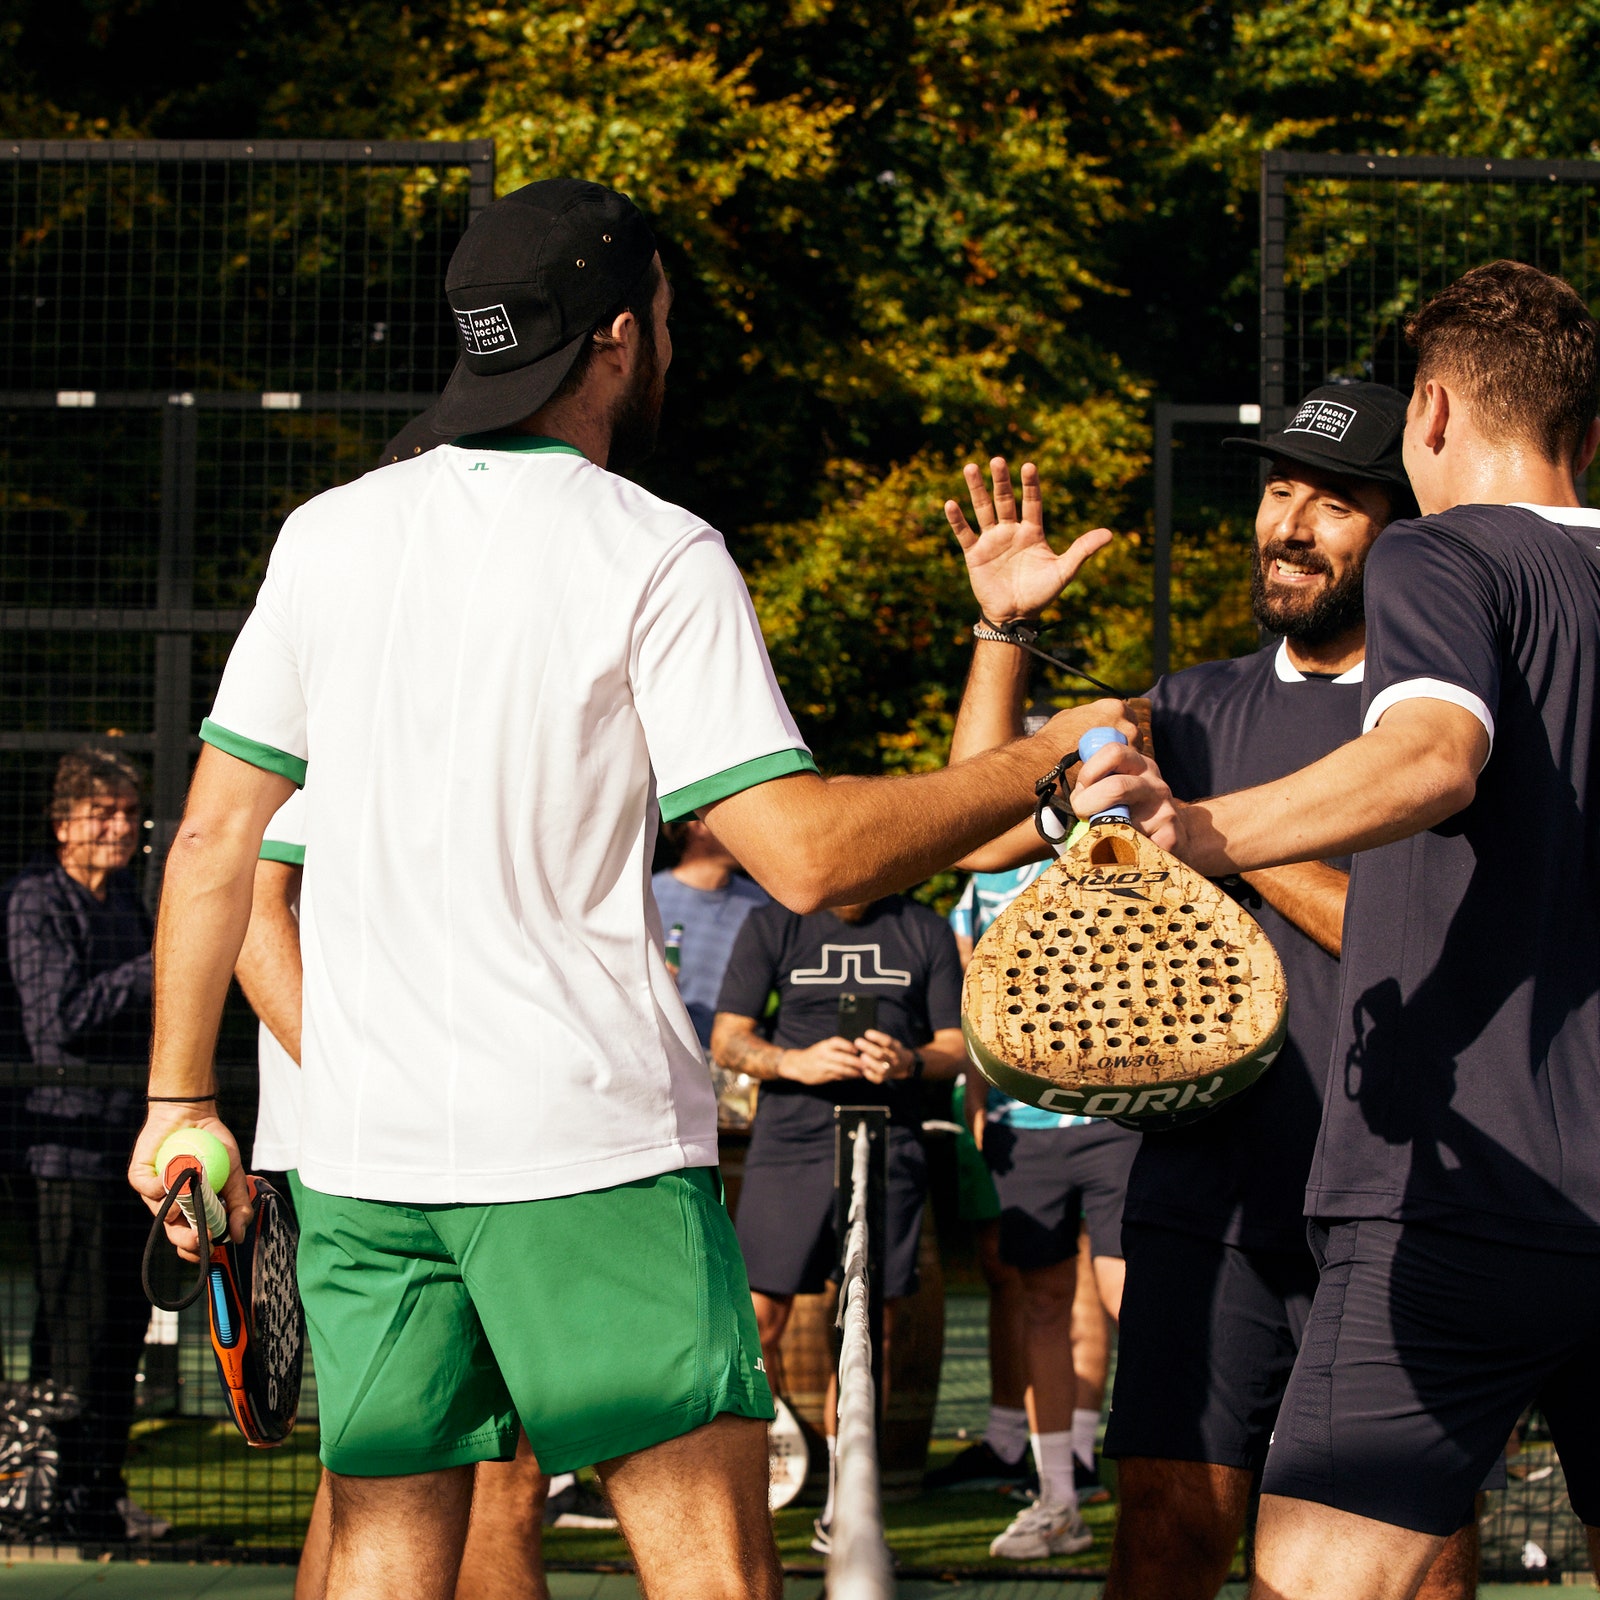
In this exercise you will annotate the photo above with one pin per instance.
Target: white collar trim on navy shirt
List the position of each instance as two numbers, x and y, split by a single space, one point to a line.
1572 516
1288 672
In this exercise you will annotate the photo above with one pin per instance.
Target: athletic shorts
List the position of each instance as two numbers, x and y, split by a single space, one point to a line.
1050 1178
604 1322
786 1220
1205 1345
976 1197
1422 1350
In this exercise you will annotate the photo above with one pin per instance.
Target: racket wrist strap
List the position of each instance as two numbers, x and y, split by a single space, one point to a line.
177 1099
1020 634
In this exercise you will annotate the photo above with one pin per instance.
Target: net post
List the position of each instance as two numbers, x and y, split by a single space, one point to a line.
1161 628
1274 208
874 1120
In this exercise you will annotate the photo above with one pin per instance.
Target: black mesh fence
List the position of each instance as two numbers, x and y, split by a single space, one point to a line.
194 339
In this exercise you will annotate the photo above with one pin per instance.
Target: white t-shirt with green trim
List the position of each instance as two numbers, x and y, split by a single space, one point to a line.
277 1146
489 665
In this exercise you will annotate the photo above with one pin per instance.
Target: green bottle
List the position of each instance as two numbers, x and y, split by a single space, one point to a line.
674 948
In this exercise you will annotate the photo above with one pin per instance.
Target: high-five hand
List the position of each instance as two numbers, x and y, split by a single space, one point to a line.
1013 571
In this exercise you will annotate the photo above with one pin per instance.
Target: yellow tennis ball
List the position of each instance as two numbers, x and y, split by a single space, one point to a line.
205 1147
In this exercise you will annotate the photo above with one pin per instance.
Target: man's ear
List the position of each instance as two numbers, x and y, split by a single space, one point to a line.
1586 450
1436 407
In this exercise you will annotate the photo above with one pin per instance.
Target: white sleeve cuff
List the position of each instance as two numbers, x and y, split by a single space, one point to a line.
1430 689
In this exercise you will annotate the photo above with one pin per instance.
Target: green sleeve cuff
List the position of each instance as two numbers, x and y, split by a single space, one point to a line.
781 764
291 855
258 755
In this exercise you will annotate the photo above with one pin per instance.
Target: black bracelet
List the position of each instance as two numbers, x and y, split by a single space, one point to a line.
177 1099
918 1064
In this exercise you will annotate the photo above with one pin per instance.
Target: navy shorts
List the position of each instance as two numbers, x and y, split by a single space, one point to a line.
1205 1345
1051 1178
785 1221
1422 1350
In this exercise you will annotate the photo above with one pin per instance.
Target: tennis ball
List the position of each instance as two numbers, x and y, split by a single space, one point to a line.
205 1147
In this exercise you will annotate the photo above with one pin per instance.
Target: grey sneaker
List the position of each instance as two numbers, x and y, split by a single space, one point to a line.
1042 1531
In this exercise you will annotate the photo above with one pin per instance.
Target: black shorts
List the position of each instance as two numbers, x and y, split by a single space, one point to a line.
785 1221
1422 1350
1050 1178
1205 1345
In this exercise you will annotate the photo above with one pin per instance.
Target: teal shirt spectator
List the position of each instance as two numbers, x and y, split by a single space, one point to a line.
988 894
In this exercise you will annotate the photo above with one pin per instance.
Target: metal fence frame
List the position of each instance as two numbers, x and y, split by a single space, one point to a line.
1168 415
1278 167
174 620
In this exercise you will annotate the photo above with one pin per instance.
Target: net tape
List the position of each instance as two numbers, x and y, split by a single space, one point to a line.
859 1567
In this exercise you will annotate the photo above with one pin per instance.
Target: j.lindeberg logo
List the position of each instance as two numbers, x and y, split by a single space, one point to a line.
1325 418
486 331
851 963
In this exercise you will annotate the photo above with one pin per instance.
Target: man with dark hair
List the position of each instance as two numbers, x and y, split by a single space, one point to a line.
491 665
1455 1190
78 949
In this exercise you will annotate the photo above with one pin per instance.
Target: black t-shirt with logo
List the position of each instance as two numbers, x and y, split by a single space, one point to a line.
1465 1082
901 953
1239 1174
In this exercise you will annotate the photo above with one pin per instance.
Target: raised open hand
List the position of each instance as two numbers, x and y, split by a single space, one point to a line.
1013 571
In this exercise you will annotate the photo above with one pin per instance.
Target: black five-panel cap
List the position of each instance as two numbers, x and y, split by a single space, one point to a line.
1349 430
534 275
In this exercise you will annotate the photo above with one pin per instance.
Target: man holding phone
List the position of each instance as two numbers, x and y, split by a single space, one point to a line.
868 1002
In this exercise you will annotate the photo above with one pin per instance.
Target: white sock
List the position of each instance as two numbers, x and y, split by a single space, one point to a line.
1052 1453
562 1480
833 1462
1085 1425
1007 1433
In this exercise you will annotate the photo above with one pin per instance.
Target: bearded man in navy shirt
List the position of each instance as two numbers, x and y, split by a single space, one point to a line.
1219 1276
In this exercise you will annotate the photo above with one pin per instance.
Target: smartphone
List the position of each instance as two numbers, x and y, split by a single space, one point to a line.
857 1013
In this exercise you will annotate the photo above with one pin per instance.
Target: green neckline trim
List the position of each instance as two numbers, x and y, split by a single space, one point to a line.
781 764
291 855
522 444
265 756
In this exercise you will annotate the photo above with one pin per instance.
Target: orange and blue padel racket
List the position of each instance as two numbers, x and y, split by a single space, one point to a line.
253 1306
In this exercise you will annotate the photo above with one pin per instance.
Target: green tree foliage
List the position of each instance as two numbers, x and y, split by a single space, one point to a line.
904 234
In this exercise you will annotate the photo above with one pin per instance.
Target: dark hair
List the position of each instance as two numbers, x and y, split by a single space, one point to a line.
87 773
1521 344
641 301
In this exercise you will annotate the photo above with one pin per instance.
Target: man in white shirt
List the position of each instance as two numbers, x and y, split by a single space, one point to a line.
489 666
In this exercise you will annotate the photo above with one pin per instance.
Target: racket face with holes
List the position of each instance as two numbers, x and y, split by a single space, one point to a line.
257 1324
1122 984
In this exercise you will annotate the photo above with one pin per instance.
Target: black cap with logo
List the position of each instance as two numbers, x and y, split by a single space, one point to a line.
1348 430
531 279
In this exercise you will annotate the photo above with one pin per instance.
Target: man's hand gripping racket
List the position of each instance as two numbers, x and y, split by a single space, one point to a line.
1121 983
252 1303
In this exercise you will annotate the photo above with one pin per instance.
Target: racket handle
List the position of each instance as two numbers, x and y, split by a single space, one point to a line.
216 1218
1098 739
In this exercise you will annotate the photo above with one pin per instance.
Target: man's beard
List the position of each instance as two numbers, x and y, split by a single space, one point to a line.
637 418
1317 618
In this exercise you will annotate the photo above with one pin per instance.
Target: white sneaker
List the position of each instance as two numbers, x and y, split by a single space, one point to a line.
1041 1531
141 1524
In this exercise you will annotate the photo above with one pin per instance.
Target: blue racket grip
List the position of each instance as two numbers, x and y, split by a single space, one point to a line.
1098 739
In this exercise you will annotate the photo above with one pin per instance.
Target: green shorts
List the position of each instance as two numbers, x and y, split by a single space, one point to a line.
603 1322
977 1199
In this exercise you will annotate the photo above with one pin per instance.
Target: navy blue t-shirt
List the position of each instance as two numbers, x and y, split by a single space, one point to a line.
1239 1174
901 953
1465 1088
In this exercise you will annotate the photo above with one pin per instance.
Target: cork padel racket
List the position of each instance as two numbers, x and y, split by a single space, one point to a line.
1122 984
258 1330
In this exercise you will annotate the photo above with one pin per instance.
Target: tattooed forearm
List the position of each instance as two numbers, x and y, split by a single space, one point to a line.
737 1048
